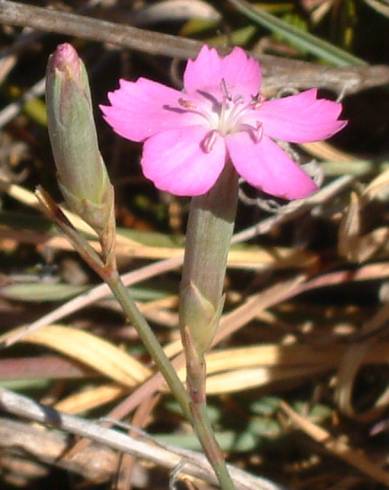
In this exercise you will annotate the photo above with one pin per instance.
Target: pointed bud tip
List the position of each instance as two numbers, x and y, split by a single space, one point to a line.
65 58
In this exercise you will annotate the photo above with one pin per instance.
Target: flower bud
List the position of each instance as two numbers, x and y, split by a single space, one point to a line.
82 175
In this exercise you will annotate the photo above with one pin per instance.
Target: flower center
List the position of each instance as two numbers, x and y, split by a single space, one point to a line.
225 114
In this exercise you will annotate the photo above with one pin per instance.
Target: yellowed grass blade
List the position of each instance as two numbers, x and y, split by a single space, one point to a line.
90 398
246 379
90 350
240 369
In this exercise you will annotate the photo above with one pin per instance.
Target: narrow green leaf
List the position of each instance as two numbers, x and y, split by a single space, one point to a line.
302 40
38 292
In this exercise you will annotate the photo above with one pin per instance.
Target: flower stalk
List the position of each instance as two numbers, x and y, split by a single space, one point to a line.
209 232
85 185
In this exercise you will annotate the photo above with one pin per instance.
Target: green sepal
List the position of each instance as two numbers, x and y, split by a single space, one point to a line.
96 215
200 318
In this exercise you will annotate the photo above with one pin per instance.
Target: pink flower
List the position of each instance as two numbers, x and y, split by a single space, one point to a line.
189 135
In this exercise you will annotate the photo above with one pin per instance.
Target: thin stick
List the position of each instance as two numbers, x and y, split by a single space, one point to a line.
278 72
96 30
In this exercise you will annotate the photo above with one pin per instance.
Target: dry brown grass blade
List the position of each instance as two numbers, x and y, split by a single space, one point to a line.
28 198
338 448
90 398
260 258
90 350
231 322
368 272
246 379
352 245
377 186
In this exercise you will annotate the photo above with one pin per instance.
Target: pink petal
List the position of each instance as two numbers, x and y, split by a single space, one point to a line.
300 118
175 161
204 71
140 109
240 72
266 166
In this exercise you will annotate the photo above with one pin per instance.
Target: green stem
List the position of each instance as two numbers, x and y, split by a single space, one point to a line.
207 437
208 236
194 412
209 230
150 341
196 380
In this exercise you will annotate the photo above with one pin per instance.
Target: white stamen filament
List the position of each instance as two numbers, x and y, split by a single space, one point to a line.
227 116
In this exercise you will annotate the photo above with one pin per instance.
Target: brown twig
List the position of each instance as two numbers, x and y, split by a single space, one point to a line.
278 72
